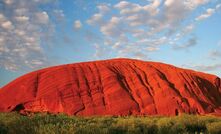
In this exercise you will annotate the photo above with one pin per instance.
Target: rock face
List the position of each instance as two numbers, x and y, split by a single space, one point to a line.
114 87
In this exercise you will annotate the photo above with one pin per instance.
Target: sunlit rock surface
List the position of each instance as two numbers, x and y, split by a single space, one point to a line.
114 87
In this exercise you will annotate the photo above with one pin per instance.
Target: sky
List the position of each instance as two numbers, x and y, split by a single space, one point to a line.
35 34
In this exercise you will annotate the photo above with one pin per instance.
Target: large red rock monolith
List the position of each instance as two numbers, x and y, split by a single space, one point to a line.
114 87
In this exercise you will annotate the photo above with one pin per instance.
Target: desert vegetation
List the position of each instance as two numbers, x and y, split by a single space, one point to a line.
14 123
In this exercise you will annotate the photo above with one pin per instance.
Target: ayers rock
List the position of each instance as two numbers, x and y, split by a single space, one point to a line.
114 87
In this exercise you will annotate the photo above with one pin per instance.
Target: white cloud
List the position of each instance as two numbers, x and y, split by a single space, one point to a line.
111 28
212 67
132 8
42 17
140 55
218 6
189 43
77 24
99 51
152 49
21 10
195 3
169 2
209 12
22 18
103 8
7 25
2 17
188 28
8 1
122 4
95 19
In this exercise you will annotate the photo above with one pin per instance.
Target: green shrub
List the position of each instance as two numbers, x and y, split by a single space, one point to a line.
169 126
214 128
3 129
13 123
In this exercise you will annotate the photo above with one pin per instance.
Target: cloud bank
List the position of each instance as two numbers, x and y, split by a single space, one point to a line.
25 28
128 26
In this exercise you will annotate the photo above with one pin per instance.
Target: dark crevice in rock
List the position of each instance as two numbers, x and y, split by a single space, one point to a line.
19 108
176 112
217 82
36 85
79 110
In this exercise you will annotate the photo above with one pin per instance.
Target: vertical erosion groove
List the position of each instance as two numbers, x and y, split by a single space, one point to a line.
77 81
36 83
123 83
99 83
146 84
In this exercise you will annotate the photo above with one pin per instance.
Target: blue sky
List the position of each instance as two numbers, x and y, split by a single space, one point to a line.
39 33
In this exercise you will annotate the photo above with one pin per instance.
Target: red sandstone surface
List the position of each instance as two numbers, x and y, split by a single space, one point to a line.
114 87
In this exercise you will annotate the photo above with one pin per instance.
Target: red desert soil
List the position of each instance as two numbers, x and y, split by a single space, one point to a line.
114 87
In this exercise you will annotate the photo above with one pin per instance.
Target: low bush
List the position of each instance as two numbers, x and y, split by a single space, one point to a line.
214 128
14 123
